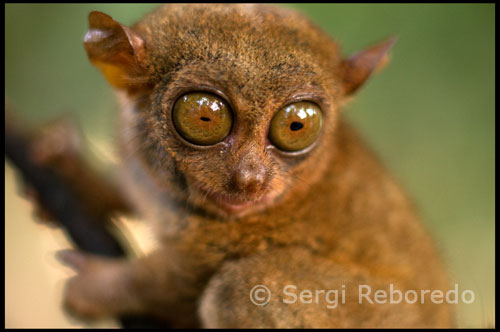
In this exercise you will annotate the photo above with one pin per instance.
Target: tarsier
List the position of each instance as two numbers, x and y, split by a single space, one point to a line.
234 147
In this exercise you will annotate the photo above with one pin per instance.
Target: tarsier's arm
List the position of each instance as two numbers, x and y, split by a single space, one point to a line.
110 288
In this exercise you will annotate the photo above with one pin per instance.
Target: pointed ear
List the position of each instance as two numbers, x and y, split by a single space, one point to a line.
117 51
356 69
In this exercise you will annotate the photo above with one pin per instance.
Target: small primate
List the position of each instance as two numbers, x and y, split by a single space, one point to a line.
235 148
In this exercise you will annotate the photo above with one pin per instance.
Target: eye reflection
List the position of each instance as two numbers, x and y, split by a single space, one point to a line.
302 114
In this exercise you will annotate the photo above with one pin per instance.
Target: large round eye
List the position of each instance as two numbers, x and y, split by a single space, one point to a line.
296 126
202 118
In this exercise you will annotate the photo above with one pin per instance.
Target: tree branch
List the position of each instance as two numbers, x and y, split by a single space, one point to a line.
85 231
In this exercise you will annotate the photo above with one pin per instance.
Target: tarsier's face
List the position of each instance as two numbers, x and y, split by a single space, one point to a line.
241 101
236 164
240 167
236 155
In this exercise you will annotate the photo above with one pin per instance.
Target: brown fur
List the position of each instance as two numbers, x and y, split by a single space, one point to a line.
334 215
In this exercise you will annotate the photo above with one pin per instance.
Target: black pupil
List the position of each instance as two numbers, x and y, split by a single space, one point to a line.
296 126
204 119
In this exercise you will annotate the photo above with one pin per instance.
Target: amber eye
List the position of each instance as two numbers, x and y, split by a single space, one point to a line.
296 126
202 118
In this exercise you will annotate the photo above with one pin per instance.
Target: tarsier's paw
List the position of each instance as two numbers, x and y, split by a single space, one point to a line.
95 291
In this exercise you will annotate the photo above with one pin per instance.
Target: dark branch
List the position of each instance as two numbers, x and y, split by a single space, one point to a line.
61 202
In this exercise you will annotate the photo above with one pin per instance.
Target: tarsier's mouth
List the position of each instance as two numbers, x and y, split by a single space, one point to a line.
230 204
235 206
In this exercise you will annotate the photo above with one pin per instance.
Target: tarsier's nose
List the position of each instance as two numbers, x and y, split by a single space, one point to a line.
249 177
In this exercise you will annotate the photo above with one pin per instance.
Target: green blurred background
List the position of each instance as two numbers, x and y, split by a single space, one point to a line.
429 114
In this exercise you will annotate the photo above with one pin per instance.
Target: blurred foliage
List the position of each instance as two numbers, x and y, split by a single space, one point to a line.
429 114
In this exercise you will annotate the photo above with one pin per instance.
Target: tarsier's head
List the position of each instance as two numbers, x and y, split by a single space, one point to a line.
230 107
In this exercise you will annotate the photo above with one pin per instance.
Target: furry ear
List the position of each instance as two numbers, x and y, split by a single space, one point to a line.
117 51
357 69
